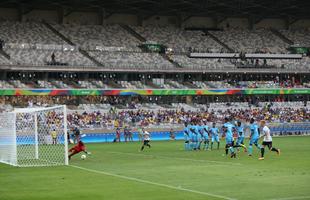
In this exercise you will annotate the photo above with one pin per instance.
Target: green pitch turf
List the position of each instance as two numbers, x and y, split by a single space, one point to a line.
166 172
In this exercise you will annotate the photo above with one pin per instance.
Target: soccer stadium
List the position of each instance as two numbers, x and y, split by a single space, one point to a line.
154 99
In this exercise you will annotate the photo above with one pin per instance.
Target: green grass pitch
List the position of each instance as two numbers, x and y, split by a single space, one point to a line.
166 172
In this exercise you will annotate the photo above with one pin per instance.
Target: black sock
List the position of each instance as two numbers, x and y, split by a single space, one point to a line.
211 145
274 149
262 150
142 147
218 145
226 150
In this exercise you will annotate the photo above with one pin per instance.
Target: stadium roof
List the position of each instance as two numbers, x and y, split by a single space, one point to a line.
291 9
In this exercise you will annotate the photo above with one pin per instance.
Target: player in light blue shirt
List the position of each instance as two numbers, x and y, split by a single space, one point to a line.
205 135
194 135
240 132
254 136
228 131
186 137
199 135
214 131
198 128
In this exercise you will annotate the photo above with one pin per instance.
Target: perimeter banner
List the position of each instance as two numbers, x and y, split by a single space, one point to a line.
155 92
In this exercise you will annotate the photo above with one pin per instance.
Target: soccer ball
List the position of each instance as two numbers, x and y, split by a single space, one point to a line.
83 157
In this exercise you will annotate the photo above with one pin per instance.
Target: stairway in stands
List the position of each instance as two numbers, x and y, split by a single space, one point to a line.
281 36
218 41
5 54
68 41
143 40
133 33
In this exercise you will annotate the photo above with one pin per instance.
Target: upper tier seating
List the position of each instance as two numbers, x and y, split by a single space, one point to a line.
178 39
252 40
131 60
42 57
90 36
300 37
28 33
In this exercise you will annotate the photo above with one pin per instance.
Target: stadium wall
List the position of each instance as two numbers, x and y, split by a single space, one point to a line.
46 15
271 23
201 22
9 14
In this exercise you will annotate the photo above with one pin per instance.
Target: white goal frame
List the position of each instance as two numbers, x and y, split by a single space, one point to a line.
25 137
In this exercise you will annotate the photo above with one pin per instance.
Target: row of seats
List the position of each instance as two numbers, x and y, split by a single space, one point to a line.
90 36
251 40
131 60
27 32
299 37
178 39
201 63
43 57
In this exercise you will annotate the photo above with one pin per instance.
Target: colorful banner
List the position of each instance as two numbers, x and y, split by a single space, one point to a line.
156 92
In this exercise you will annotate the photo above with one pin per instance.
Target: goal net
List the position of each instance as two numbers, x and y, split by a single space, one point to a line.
34 137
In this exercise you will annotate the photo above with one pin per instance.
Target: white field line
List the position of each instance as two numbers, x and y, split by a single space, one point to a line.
153 183
176 158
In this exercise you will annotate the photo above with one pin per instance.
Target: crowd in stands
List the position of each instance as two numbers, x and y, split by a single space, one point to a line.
158 83
147 117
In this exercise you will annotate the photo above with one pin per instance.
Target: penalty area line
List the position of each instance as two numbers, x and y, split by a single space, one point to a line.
152 183
176 158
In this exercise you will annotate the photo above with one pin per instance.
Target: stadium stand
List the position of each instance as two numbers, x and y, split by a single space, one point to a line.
94 37
202 63
43 57
131 60
179 40
300 37
27 33
250 41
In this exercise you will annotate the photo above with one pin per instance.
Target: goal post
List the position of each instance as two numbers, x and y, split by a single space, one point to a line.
34 137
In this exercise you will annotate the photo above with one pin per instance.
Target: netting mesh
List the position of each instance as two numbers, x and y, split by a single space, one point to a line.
40 137
7 139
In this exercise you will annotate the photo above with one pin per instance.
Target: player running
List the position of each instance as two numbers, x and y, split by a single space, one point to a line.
146 139
215 135
267 141
228 131
240 132
79 147
254 137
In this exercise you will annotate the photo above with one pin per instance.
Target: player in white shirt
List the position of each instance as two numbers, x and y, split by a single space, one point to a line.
267 141
146 139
